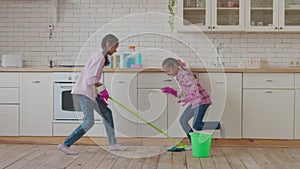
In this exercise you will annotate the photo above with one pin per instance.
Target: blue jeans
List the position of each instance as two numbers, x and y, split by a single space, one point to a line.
198 113
88 106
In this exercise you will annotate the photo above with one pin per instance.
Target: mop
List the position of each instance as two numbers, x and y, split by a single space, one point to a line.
179 146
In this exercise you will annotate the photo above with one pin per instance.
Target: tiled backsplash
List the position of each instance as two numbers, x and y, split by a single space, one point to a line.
79 26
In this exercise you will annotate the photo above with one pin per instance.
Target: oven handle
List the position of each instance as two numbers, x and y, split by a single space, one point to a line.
66 87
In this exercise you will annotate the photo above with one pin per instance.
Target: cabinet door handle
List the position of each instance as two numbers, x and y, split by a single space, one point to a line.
209 27
268 92
269 80
153 90
121 82
219 82
276 28
214 27
36 81
280 28
167 80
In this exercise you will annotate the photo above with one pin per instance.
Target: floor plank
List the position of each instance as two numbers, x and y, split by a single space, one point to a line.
232 158
152 157
22 156
246 158
83 157
32 160
95 160
165 161
192 162
15 155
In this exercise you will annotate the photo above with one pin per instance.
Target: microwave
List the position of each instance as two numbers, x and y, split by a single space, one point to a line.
12 61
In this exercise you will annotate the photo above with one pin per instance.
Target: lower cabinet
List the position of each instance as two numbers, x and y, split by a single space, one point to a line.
65 128
297 115
268 114
225 90
36 104
152 106
123 88
9 117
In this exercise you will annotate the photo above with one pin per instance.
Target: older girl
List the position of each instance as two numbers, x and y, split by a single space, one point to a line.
84 91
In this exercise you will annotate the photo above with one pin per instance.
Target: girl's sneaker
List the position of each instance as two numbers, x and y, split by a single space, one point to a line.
117 147
66 149
188 148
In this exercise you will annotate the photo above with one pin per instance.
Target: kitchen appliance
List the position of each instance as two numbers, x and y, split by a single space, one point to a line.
12 61
66 107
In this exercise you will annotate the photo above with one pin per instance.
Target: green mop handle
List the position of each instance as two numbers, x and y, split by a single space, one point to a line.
150 124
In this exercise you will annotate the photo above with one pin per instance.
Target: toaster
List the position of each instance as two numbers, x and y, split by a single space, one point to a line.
12 61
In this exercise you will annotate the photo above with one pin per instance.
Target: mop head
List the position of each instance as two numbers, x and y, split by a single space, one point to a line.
176 148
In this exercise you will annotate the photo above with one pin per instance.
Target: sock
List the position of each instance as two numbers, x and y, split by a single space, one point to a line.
188 135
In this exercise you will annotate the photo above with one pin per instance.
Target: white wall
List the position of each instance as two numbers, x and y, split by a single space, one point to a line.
23 30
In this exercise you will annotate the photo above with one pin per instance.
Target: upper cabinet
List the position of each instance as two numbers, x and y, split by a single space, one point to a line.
212 15
273 15
240 15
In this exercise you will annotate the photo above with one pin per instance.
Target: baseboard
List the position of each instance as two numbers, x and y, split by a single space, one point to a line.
148 141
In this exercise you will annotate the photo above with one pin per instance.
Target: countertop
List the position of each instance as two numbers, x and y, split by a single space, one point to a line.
227 70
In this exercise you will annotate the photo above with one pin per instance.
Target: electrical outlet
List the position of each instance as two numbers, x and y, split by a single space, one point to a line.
294 63
50 26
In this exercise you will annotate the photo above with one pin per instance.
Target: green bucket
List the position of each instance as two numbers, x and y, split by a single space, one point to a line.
200 144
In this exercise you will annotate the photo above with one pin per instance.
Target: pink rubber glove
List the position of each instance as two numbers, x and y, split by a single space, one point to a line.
169 90
188 98
103 95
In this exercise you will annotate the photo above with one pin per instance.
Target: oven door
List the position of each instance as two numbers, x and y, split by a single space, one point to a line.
66 107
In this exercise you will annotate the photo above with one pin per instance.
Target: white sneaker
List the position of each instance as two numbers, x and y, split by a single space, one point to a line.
188 148
222 130
117 147
66 149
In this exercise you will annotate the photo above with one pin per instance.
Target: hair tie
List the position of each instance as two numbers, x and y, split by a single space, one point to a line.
181 63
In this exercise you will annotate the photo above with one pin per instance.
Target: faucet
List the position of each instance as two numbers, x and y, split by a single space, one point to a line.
218 62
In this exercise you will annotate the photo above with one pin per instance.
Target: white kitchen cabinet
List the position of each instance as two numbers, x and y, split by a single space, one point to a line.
225 90
157 107
9 104
268 111
152 106
9 117
36 104
297 106
212 15
123 88
272 15
297 115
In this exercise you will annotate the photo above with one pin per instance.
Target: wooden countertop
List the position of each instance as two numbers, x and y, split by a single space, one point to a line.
216 70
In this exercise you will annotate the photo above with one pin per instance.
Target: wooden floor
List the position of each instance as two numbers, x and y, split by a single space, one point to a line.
25 156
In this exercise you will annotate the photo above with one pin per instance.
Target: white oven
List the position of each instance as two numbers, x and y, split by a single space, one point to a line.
66 107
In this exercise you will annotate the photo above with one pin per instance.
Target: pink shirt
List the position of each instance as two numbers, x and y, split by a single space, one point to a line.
90 74
189 84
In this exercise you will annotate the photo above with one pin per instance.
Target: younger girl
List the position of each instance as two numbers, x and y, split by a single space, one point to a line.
191 93
84 91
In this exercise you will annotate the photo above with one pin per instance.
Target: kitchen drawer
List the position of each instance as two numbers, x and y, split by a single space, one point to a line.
9 95
297 80
65 128
9 80
9 120
156 80
268 80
